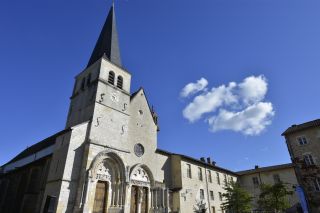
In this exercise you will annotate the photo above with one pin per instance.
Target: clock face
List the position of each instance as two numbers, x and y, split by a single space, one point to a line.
114 97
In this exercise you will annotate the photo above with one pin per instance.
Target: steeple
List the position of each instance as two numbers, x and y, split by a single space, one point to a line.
108 42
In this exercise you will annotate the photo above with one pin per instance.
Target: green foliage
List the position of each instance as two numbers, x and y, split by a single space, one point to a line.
237 200
274 197
200 207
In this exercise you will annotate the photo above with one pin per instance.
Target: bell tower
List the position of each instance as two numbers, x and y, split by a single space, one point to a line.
104 84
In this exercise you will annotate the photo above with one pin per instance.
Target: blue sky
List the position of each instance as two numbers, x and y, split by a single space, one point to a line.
165 45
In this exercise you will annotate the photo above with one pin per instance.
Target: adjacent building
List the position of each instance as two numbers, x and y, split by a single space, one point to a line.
253 178
198 181
303 141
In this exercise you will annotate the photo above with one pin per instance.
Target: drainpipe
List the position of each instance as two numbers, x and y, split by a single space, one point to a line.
208 195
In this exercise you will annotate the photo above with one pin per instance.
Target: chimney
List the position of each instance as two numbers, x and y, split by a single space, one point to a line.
256 167
213 163
203 159
208 160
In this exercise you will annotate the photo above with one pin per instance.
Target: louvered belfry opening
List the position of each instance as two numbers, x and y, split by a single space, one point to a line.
111 78
120 82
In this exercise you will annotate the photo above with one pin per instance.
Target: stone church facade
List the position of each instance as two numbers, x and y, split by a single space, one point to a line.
106 159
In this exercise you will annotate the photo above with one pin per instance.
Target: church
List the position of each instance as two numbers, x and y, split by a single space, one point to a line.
106 160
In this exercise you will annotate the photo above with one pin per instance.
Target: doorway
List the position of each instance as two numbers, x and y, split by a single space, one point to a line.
139 199
213 209
101 198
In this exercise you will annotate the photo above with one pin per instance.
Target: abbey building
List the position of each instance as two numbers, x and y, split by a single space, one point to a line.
107 159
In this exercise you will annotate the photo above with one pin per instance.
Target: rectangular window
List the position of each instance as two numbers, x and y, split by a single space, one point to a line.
83 82
200 173
308 159
317 184
49 206
189 171
276 178
89 79
218 178
255 181
201 194
225 180
302 140
231 180
211 195
220 196
209 176
213 209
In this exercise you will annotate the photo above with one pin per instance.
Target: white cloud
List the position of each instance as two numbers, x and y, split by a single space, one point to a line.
237 107
193 88
209 102
250 121
253 89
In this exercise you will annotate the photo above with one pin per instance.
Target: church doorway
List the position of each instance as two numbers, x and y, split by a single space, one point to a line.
101 197
139 199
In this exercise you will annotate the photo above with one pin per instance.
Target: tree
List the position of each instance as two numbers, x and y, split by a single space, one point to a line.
274 197
200 207
237 200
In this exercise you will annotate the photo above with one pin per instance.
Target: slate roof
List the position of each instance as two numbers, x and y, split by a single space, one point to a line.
108 42
264 169
38 146
302 126
135 93
160 151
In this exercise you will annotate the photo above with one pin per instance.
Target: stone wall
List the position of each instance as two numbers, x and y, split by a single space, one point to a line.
306 174
266 176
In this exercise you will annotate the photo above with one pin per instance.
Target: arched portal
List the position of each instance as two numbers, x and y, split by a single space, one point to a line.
141 180
106 183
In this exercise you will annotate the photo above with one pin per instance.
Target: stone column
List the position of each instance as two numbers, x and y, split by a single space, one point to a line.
127 197
125 191
159 198
140 193
113 195
156 198
118 193
121 195
162 197
167 200
151 198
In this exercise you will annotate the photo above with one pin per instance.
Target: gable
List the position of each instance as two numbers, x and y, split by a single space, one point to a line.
139 105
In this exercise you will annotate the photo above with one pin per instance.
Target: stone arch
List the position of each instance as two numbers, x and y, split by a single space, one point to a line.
141 183
110 164
107 167
147 178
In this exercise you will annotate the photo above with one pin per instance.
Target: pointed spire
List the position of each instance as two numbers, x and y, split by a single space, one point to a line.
108 42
